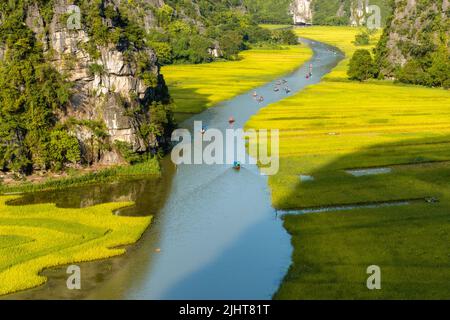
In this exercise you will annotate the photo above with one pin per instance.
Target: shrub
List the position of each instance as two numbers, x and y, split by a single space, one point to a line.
361 67
362 39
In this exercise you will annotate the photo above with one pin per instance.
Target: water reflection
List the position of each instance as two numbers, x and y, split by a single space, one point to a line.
148 194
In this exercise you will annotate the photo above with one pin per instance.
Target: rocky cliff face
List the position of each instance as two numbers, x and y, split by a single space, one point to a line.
416 30
301 11
107 87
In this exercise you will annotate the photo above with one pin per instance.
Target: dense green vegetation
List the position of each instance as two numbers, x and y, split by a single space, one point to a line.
338 125
30 92
188 32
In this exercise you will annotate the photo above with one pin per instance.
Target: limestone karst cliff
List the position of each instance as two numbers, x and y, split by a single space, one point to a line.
115 83
301 11
416 37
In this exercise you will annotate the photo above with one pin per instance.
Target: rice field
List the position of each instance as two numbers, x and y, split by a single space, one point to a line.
36 237
197 87
339 125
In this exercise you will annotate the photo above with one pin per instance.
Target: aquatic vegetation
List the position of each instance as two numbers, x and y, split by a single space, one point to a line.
339 125
197 87
35 237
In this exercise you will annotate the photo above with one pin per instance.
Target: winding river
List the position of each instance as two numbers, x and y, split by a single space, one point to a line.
215 234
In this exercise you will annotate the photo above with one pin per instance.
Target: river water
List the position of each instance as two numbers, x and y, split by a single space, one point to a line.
215 234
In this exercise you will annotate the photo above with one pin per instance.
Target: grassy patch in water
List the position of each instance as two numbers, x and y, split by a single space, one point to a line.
35 237
337 125
197 87
79 178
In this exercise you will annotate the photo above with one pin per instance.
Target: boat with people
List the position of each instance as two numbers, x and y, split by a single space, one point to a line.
237 165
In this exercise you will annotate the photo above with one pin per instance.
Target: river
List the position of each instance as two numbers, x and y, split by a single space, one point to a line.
215 234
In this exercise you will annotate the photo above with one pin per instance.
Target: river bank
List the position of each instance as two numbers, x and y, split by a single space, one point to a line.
77 177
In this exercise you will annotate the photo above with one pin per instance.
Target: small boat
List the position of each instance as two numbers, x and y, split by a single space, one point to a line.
231 120
237 165
276 89
255 94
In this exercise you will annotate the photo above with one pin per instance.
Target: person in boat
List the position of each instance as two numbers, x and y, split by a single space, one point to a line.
261 99
237 165
231 120
203 131
255 94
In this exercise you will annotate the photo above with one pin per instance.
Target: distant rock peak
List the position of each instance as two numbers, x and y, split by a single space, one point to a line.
301 11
